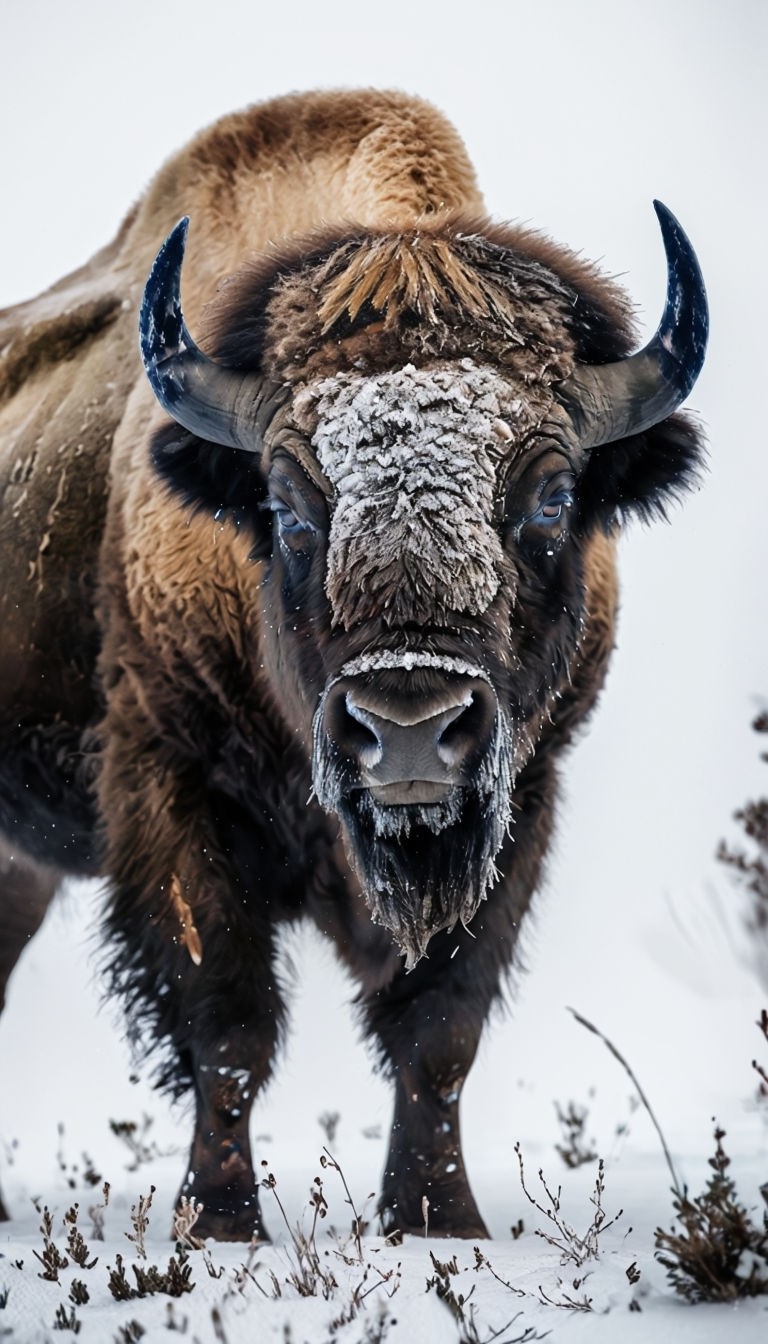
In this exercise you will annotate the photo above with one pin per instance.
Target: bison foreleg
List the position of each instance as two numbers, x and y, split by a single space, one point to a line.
428 1025
425 1185
231 1046
191 951
230 1042
220 1174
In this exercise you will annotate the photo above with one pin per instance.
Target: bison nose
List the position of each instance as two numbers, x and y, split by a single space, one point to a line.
407 739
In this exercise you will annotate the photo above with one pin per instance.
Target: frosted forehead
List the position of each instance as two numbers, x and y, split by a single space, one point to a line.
422 404
412 457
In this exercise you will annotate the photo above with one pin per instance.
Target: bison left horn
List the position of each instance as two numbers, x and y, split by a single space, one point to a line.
222 405
610 401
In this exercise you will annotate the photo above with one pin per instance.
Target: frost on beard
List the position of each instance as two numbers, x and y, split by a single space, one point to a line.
422 868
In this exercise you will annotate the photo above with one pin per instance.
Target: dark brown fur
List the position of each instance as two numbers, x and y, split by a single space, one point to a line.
171 748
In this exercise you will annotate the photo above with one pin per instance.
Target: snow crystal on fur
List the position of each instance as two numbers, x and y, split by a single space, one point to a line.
412 458
407 659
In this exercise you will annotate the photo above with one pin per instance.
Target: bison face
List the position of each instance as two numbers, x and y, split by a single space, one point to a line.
423 606
424 591
412 744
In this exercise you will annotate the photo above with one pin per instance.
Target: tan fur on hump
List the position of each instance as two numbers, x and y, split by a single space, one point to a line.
282 168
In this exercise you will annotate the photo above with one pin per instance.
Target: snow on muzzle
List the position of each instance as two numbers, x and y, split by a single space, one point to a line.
407 727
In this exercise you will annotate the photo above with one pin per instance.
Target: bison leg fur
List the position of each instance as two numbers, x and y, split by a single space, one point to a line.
191 951
220 1174
225 1035
428 1025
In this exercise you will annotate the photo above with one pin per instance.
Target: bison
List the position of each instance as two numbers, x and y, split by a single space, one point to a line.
309 637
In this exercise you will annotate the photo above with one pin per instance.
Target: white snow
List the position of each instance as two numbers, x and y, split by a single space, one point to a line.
81 1069
407 659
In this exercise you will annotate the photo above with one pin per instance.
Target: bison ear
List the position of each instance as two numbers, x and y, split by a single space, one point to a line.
223 481
642 474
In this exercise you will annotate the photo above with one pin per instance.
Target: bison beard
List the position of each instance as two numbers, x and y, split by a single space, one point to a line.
422 867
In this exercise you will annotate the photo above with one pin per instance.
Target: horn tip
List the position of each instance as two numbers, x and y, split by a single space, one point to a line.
160 319
178 235
687 306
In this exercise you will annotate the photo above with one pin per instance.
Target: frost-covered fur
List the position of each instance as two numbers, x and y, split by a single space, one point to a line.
413 458
407 659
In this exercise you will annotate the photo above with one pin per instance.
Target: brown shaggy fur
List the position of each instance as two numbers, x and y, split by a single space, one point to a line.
159 674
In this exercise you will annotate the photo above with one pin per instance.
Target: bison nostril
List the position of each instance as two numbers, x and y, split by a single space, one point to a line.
457 737
362 737
353 729
468 727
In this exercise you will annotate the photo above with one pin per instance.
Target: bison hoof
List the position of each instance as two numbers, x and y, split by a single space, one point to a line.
228 1224
468 1228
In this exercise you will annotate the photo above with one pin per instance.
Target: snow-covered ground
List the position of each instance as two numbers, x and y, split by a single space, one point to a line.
521 1283
576 116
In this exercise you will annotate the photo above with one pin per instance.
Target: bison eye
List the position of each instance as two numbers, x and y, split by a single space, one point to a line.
552 508
552 511
288 525
556 497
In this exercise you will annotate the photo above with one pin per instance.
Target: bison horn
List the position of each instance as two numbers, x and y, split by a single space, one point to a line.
610 401
221 405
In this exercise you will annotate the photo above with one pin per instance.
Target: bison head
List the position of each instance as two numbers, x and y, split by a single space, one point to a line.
436 425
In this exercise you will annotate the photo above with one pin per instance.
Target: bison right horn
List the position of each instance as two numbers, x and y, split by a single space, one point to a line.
610 401
222 405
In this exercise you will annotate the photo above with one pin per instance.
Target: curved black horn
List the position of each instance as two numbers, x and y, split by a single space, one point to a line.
221 405
609 401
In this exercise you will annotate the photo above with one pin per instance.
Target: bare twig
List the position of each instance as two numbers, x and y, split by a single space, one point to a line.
184 1219
96 1214
678 1188
358 1223
575 1150
140 1221
51 1259
568 1303
573 1246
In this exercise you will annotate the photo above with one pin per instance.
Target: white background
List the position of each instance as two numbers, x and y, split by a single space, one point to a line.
576 115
